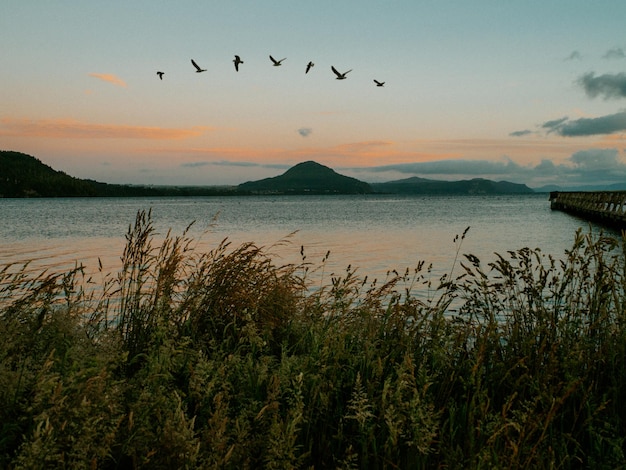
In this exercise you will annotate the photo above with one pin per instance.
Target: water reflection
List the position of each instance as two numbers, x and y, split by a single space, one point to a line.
375 234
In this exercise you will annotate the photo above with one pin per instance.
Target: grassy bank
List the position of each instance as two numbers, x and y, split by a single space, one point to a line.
226 360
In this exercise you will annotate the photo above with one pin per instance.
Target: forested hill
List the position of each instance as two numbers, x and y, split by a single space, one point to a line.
22 175
307 178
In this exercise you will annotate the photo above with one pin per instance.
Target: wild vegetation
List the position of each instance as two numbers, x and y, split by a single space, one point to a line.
224 359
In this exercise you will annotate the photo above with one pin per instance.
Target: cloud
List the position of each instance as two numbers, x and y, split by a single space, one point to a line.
562 162
608 85
194 164
615 53
554 124
520 133
72 129
596 165
110 78
597 159
305 131
546 167
575 55
238 164
363 148
588 126
452 167
273 166
591 166
367 144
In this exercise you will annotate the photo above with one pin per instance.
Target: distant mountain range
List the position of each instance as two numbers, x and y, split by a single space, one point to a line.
313 178
475 186
22 175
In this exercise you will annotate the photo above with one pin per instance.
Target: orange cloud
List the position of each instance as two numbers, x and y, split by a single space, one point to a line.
613 139
72 129
371 153
368 146
110 78
365 153
239 153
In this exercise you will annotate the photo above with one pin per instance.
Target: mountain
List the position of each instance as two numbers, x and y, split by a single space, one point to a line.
417 185
307 178
22 175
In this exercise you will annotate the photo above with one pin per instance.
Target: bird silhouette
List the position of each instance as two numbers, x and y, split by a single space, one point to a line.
379 83
160 74
308 67
277 62
198 69
340 76
237 60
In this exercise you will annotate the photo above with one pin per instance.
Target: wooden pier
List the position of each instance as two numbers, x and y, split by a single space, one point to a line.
606 207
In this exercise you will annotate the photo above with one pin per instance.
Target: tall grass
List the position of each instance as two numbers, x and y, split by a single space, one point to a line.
223 359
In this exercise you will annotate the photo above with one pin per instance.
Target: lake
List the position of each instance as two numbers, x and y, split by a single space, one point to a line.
375 233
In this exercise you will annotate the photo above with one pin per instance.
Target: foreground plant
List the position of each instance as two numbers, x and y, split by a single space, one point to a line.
223 359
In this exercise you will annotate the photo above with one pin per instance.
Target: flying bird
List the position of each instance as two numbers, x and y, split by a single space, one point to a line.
198 69
379 83
308 66
340 76
277 62
160 74
237 60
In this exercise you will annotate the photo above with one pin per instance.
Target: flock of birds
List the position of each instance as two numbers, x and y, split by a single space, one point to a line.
276 63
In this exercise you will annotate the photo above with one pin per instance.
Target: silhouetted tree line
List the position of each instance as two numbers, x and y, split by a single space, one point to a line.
22 175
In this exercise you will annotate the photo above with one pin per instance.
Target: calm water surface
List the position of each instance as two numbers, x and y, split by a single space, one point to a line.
374 233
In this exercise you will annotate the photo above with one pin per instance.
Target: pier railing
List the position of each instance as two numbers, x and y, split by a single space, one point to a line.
608 207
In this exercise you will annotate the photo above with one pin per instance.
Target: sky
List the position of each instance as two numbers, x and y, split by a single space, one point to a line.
528 91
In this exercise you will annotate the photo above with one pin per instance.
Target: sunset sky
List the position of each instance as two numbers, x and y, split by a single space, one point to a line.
528 91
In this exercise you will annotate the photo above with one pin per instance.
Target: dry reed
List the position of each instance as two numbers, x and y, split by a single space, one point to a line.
225 360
